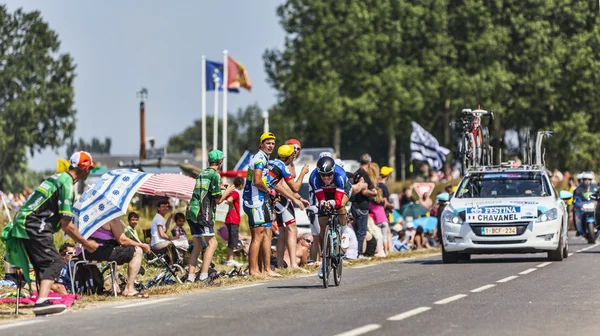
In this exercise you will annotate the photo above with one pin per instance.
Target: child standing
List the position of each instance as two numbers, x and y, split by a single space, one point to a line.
232 221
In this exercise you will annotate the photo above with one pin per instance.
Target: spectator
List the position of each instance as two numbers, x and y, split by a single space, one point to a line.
455 173
63 285
132 219
302 247
426 201
407 197
378 235
398 235
360 205
46 211
180 239
409 238
420 241
115 246
433 176
161 242
232 220
350 243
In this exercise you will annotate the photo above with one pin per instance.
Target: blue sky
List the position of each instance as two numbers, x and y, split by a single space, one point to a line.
119 46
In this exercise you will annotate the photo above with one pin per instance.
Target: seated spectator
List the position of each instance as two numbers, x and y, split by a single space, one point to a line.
113 245
420 241
409 238
63 285
350 242
398 235
132 219
180 238
161 242
302 247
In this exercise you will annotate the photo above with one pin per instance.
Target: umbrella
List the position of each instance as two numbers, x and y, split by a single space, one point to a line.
428 223
413 210
169 185
106 199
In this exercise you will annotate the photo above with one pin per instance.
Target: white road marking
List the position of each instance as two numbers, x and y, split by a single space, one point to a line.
507 279
570 254
587 248
362 330
578 251
450 299
145 303
245 286
544 264
408 314
528 271
482 288
19 324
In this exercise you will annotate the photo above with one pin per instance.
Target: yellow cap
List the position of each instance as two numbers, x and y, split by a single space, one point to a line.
267 136
385 171
285 151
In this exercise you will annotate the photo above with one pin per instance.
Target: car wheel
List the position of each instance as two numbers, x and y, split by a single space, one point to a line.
449 257
557 255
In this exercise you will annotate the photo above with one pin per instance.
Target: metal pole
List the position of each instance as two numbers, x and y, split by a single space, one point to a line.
225 84
216 115
142 94
204 112
265 115
403 167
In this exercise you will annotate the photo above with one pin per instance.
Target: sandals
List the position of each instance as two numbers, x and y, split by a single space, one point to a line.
138 295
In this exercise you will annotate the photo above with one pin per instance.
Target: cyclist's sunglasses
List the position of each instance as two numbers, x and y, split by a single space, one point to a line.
326 175
307 240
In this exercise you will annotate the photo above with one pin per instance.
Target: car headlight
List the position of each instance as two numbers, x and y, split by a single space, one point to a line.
449 217
549 215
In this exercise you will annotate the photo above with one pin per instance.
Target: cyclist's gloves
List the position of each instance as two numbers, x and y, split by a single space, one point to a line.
323 202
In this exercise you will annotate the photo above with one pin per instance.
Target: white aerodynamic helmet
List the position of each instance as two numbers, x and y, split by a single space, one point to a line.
586 175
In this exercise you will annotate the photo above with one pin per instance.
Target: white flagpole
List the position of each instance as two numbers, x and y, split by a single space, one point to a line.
204 112
225 83
216 115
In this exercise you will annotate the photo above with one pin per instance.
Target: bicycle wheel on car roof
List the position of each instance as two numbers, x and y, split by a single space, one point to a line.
326 251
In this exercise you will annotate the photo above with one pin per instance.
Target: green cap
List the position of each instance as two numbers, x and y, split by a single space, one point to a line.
215 156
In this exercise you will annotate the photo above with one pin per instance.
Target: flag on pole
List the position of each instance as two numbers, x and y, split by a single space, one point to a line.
214 70
237 76
425 147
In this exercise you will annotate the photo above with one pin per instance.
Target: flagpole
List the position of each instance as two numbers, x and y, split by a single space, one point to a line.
204 112
225 84
216 115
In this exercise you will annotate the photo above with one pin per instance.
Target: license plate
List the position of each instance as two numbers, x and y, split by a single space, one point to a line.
502 230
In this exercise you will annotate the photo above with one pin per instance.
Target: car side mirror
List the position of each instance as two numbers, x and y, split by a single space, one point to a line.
565 195
443 197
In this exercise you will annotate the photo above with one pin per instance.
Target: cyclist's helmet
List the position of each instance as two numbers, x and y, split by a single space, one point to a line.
326 165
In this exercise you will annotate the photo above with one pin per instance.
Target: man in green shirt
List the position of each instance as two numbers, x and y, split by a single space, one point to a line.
48 210
201 210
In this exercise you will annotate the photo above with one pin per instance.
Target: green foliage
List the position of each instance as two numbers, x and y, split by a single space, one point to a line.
36 90
94 146
23 177
370 67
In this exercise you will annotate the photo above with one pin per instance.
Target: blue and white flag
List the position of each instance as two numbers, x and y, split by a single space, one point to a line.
244 161
425 147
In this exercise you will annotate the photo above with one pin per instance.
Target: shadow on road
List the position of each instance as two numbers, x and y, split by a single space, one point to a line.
296 287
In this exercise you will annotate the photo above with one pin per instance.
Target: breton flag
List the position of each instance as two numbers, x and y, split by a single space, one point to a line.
425 147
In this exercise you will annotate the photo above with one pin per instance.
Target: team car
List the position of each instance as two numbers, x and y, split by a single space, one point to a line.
502 209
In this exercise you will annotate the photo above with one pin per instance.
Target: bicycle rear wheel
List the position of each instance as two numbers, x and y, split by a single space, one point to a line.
326 250
338 264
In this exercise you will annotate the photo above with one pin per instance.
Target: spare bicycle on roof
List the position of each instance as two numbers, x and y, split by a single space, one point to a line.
474 147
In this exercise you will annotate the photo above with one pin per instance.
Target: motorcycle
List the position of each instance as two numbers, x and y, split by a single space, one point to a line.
588 216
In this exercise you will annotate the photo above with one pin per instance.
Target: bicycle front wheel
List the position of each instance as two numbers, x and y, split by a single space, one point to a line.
337 267
326 262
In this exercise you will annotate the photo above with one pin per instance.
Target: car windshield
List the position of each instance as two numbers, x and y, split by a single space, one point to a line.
498 185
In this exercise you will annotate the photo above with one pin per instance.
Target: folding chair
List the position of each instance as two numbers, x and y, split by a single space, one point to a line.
147 235
84 261
20 279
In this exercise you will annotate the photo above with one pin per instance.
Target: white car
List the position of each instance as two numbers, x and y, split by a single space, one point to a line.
505 210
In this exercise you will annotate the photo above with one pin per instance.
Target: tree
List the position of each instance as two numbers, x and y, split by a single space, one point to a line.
95 146
36 90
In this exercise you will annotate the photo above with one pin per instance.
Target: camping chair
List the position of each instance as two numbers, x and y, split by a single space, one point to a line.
84 261
20 279
147 235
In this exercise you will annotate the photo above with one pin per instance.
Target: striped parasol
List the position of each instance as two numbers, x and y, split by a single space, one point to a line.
169 185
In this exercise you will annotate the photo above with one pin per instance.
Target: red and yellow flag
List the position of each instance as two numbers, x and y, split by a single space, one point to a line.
237 76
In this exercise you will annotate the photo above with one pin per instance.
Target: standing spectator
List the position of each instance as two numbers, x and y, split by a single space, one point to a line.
407 197
232 221
360 205
426 201
48 210
384 176
201 213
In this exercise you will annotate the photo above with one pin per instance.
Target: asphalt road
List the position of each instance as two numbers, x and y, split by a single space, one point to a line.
490 295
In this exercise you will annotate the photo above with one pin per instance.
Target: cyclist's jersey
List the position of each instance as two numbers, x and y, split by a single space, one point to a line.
254 198
277 171
48 204
205 195
337 188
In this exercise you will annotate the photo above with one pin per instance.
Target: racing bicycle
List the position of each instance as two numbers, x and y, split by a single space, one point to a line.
474 146
331 248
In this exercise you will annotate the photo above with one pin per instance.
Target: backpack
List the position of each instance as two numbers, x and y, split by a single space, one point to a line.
89 280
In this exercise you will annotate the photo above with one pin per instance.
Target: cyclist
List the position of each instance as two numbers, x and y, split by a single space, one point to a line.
284 208
332 190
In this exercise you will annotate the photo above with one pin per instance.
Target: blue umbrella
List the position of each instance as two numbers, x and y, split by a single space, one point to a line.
428 223
107 198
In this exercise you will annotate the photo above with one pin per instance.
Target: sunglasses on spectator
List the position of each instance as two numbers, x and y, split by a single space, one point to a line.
297 148
327 175
307 240
70 253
